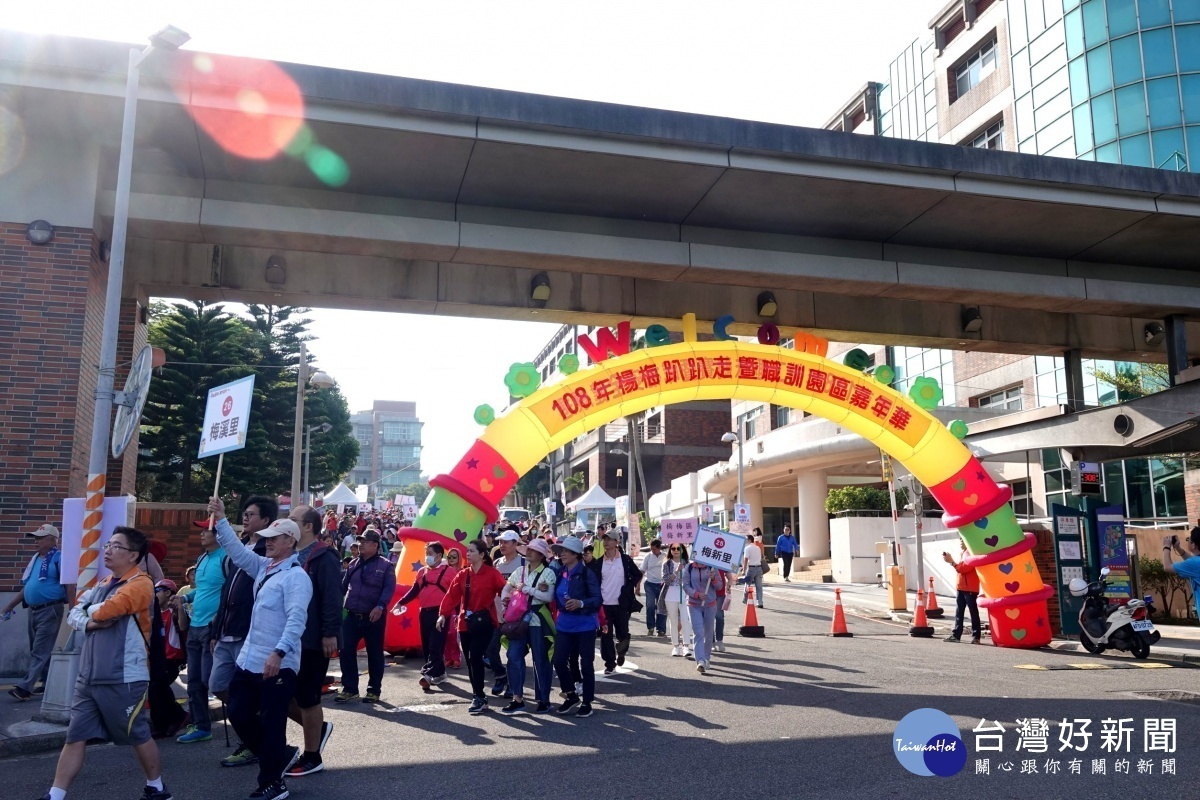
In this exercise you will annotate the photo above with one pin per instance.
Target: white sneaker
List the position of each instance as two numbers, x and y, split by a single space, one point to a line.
687 653
676 651
700 667
720 647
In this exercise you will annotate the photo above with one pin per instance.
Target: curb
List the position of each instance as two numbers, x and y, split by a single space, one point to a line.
32 745
1161 655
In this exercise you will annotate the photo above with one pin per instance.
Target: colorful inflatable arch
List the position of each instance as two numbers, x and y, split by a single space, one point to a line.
463 501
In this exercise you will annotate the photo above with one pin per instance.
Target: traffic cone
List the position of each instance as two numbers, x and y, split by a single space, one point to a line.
839 616
920 626
934 610
750 628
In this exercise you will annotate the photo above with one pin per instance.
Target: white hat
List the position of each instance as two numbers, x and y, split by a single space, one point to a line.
281 527
509 536
45 530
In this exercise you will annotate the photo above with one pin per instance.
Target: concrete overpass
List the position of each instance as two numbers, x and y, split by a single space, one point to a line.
457 196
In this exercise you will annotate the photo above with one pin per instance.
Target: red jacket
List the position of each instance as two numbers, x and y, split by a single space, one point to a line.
486 586
968 581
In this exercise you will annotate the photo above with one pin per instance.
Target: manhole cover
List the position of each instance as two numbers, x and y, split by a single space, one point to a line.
1172 695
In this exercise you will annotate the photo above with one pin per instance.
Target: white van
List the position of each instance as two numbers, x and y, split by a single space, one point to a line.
514 515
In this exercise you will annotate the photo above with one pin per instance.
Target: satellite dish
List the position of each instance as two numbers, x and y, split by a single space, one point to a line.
131 401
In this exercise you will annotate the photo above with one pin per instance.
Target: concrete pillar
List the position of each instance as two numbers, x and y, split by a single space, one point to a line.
1074 364
1175 326
812 523
754 496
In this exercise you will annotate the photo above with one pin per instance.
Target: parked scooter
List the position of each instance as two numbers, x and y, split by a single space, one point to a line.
1121 626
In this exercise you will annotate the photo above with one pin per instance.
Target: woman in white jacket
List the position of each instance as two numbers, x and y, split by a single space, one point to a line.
536 581
672 598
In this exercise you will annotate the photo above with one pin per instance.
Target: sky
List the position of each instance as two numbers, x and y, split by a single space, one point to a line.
792 61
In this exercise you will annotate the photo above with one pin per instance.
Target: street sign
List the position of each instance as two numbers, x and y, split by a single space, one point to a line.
226 417
706 512
132 400
1086 480
741 512
1110 524
678 531
718 549
551 507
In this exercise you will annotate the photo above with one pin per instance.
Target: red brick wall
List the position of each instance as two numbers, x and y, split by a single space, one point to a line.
171 523
692 427
47 313
1043 556
1192 495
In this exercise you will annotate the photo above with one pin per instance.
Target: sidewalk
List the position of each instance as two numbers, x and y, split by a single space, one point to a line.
1179 642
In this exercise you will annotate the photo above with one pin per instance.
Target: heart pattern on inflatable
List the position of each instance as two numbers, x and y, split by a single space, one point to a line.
499 472
1018 634
1006 568
971 499
1012 613
485 485
982 524
959 485
991 541
460 536
1012 586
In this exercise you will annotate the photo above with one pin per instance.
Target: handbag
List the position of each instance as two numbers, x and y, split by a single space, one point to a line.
515 625
766 567
479 623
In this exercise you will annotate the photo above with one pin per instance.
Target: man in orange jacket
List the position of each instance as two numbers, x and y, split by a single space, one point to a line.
968 594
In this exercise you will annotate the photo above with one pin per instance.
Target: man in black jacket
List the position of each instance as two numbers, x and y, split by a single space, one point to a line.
320 639
619 583
229 627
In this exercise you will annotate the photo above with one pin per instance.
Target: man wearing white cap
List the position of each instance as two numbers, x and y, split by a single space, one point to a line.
265 681
46 600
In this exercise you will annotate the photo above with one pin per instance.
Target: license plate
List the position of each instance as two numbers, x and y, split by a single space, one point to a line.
1143 625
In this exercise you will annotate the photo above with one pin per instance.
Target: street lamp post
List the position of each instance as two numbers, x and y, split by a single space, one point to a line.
319 380
324 427
734 437
60 686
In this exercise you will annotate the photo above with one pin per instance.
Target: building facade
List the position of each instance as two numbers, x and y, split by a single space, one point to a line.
389 441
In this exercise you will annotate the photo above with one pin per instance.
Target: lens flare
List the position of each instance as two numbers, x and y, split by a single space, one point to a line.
330 168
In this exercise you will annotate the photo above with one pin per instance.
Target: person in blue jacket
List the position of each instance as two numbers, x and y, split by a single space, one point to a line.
785 548
578 596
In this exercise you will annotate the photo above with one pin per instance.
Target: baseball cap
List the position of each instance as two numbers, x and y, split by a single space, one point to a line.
44 530
571 543
509 536
281 527
369 535
614 534
168 584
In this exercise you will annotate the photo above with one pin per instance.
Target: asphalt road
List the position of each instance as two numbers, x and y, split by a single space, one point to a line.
798 714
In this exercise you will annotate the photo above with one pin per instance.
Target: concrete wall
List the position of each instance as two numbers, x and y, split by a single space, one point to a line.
852 549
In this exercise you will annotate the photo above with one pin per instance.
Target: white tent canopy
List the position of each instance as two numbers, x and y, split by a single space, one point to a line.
595 497
341 496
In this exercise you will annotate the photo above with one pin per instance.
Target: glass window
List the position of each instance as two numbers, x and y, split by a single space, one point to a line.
1135 151
1057 132
1122 17
1154 13
1131 111
1164 102
1010 399
1158 52
1049 87
1083 129
1069 4
1193 143
1079 86
1095 27
1049 69
1168 149
1055 481
992 138
1186 11
1114 483
1074 23
1104 119
1050 112
978 66
1191 98
1187 38
1167 474
1139 503
1099 70
1051 459
1109 153
1126 60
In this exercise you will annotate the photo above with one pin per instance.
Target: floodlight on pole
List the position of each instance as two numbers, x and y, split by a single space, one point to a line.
734 437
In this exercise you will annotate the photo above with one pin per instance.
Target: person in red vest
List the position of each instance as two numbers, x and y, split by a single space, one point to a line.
968 595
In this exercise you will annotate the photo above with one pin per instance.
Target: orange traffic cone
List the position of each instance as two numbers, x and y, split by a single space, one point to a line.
934 610
751 629
920 625
839 616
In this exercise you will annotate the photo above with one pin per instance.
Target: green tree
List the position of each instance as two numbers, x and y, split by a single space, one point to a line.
533 485
862 498
1133 380
418 490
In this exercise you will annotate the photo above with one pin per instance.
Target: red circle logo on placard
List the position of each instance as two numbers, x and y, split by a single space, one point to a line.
227 406
719 543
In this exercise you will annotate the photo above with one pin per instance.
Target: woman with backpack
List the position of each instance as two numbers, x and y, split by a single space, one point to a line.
428 589
473 592
530 623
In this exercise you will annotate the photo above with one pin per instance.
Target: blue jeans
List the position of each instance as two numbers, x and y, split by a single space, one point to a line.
720 620
516 665
963 602
542 673
199 667
654 620
704 621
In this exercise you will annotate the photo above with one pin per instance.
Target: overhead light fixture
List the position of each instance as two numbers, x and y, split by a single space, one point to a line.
1154 333
170 38
321 380
39 232
972 322
276 273
767 307
539 287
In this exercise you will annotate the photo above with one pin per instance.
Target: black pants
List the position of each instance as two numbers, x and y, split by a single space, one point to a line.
474 645
356 628
616 640
576 648
495 659
258 709
966 600
433 644
165 714
786 558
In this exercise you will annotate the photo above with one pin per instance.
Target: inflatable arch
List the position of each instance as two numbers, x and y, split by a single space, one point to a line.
460 503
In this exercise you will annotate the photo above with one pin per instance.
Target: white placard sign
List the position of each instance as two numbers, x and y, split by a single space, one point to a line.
678 531
409 510
117 511
706 512
551 507
741 512
226 417
718 549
